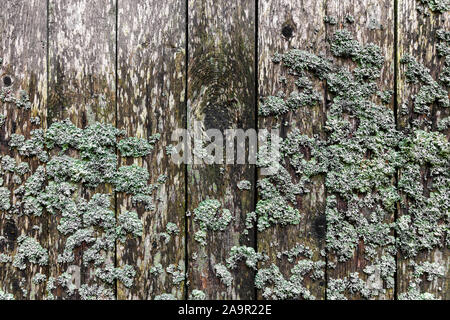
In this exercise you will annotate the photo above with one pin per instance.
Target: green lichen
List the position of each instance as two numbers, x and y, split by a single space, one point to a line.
95 292
359 159
414 293
109 274
430 91
275 286
31 147
165 296
65 281
330 19
349 18
134 147
21 101
39 278
5 202
197 295
8 163
436 5
4 258
2 120
50 287
223 274
5 295
209 217
29 250
177 273
129 223
172 228
248 254
131 179
298 250
71 158
156 270
244 185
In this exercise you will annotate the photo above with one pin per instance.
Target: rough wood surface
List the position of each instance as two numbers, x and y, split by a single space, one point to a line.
417 31
23 48
82 77
373 23
221 95
151 100
151 67
284 25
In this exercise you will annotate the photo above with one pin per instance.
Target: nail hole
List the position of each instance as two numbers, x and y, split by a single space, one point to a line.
287 31
7 81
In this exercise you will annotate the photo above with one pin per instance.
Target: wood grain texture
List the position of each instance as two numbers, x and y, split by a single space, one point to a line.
82 77
151 100
305 20
373 23
221 95
417 37
23 48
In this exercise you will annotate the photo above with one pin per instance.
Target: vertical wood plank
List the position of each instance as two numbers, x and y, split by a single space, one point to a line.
221 95
82 77
285 25
417 37
369 22
151 100
23 50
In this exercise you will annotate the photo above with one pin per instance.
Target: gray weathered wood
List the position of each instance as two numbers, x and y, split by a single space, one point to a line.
23 48
221 95
374 23
151 100
82 77
417 37
285 25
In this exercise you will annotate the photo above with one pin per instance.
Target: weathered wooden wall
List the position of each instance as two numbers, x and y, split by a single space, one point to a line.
417 36
151 99
373 23
151 67
285 25
81 87
24 54
221 95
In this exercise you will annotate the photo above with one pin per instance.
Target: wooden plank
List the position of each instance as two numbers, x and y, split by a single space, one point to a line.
369 22
151 100
417 36
286 25
221 95
82 77
23 49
